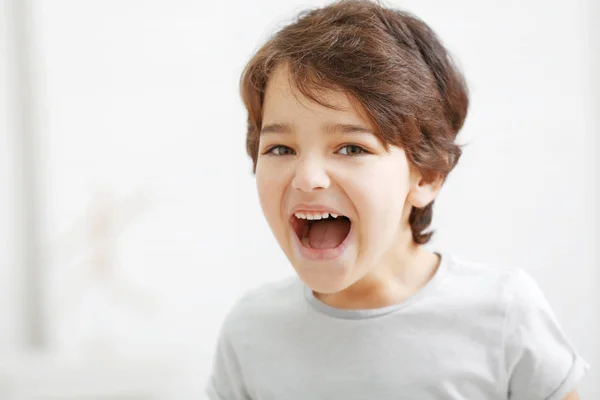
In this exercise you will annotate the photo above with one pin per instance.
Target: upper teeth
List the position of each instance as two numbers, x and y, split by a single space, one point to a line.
314 215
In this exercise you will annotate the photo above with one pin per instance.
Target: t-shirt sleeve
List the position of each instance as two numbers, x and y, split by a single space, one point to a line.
541 363
226 380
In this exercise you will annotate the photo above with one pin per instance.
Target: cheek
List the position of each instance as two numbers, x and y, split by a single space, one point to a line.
270 187
379 195
380 204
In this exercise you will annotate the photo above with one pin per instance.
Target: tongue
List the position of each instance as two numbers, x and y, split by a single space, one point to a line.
329 233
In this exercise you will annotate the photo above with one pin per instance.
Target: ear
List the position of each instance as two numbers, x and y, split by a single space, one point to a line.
423 190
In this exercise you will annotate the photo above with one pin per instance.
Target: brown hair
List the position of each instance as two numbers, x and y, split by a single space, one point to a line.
389 61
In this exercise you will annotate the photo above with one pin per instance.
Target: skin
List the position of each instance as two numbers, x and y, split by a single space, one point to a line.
301 161
572 396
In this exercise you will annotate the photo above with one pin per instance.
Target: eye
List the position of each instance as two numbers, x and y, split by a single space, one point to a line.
351 150
280 150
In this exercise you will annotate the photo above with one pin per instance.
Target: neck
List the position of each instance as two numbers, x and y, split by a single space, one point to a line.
401 275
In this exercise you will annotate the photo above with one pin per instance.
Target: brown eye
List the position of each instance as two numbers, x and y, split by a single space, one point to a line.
351 150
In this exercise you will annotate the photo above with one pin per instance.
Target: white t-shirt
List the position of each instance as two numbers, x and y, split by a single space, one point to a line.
472 332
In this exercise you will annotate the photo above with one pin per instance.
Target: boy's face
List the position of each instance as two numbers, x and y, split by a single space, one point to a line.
316 160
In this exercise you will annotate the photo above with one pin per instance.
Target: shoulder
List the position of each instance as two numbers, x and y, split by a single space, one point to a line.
512 289
510 277
260 305
485 279
539 359
528 311
493 287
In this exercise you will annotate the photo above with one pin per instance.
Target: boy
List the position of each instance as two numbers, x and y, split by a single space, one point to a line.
353 111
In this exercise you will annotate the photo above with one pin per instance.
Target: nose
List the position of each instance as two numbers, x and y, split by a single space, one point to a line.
310 175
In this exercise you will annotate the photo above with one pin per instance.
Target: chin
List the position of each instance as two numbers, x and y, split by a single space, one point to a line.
326 277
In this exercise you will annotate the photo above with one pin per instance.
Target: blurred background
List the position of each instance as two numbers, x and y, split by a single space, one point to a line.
129 222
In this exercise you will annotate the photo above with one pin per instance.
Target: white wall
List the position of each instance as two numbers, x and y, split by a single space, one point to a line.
140 99
9 323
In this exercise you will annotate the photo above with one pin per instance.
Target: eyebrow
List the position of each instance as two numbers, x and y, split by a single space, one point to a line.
329 128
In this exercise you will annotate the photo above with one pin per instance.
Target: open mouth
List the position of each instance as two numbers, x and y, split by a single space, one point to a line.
321 230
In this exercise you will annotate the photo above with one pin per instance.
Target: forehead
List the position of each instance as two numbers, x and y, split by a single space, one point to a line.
283 100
